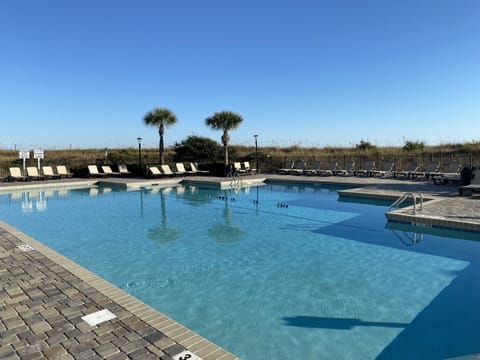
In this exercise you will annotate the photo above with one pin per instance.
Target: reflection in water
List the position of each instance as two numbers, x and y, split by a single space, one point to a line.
27 205
41 203
226 231
163 234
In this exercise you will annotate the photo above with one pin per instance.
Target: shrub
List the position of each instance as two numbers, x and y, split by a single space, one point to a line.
365 145
414 145
196 148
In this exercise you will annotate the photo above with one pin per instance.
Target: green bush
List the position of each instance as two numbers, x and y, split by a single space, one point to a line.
196 148
414 145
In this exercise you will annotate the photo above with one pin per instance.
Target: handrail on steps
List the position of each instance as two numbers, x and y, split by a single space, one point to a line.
404 197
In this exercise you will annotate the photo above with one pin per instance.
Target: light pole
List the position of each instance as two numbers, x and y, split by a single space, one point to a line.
140 151
256 153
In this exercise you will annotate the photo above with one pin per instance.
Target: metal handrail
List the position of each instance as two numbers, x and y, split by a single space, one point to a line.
404 197
235 179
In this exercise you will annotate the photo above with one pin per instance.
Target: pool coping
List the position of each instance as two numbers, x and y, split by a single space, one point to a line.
198 345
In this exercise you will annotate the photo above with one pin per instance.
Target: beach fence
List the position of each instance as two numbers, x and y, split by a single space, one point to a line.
401 161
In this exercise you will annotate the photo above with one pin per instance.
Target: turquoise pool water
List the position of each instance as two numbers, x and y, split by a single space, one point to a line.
277 271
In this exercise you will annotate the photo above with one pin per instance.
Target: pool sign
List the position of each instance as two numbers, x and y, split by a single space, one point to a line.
38 154
24 154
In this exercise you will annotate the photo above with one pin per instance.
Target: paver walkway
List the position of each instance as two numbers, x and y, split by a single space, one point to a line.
42 304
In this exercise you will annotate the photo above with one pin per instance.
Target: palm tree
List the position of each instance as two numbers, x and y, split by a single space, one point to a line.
224 120
160 117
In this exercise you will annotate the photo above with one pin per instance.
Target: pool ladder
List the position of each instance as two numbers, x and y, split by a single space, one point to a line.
235 181
406 196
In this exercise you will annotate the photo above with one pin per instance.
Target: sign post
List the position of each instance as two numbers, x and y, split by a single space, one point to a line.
24 154
38 154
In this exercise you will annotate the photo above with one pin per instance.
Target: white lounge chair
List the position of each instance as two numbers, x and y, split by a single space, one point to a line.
248 169
167 170
48 173
238 168
123 170
108 170
16 174
93 171
32 173
196 170
181 169
154 171
63 172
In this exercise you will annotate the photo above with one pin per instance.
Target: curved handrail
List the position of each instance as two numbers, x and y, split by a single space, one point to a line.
404 197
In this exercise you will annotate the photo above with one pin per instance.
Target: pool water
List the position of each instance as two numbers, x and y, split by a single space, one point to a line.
278 271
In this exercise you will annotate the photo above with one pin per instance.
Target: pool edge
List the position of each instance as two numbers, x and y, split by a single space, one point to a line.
187 338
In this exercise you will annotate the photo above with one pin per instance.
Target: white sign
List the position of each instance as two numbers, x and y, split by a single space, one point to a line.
98 317
38 154
24 154
186 355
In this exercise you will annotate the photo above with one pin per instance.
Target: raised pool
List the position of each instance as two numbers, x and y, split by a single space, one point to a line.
278 271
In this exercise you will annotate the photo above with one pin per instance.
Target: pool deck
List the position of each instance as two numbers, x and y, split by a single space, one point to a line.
45 295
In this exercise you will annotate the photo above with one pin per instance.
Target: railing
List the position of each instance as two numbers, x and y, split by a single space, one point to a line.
235 181
405 197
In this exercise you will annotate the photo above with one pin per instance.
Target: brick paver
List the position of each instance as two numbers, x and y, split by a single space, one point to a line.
41 309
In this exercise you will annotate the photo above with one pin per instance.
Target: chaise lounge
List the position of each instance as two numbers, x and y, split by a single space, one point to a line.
16 174
32 173
451 175
367 170
332 168
48 173
474 185
108 170
408 172
285 170
63 172
93 171
387 169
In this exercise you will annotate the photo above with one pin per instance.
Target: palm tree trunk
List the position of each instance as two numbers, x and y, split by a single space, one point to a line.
225 145
160 145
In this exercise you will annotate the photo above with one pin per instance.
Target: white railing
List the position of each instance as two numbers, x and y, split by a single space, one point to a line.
235 181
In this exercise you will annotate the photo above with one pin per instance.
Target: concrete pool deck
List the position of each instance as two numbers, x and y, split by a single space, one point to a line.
45 295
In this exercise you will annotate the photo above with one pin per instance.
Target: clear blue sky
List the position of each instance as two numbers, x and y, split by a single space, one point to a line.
309 73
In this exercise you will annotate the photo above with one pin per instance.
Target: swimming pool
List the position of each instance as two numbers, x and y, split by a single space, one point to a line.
279 271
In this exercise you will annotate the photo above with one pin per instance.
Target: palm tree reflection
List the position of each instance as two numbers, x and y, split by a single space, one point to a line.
226 231
163 234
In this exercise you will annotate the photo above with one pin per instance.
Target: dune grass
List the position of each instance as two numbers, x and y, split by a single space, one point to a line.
269 158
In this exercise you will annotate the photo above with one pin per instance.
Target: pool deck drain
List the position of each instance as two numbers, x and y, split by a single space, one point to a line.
44 295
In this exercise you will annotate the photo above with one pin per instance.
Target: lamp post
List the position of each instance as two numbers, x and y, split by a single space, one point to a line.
140 151
256 153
